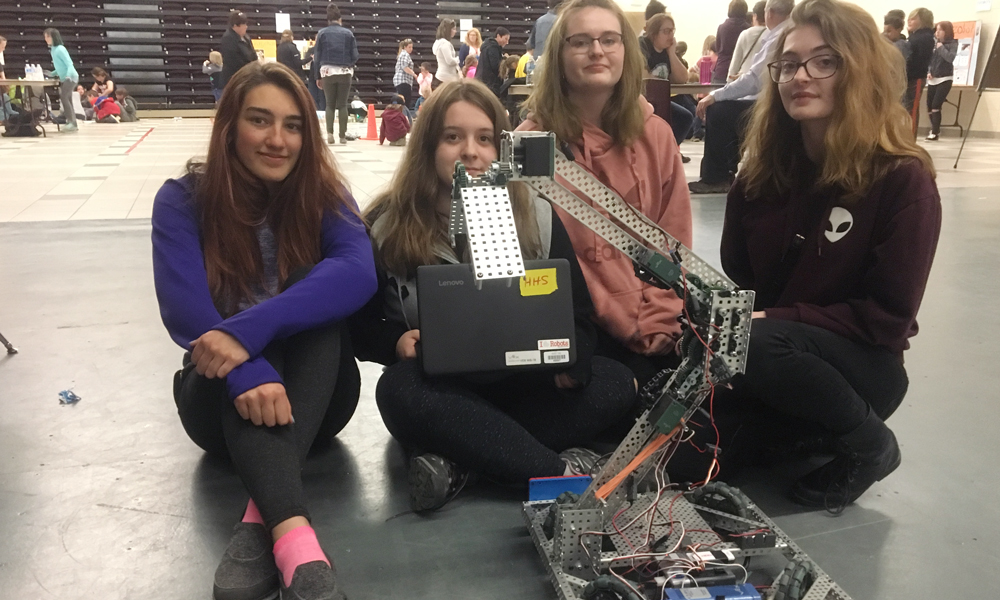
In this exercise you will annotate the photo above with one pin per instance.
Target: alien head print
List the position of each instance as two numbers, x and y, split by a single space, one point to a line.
839 223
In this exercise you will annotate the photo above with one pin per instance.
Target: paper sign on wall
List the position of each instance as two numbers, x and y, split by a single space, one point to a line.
465 24
282 21
538 282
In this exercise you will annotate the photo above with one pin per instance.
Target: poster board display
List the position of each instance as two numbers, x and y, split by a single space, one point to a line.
968 34
268 47
991 74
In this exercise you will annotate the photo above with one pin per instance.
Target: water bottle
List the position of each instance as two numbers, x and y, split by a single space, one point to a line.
705 72
39 72
27 71
529 71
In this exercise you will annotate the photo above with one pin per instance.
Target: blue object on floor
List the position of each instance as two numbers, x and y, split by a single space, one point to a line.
744 591
550 488
68 397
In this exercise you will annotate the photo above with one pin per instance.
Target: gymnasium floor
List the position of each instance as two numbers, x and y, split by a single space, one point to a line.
108 499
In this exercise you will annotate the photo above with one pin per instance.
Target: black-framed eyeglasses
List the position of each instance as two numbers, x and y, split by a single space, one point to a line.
821 66
582 42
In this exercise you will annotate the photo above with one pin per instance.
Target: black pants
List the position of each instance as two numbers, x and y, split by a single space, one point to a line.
323 385
689 104
406 91
936 95
681 120
800 380
510 430
725 126
337 88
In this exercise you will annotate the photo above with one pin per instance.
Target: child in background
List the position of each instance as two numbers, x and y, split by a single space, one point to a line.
105 109
358 109
395 123
126 104
471 63
213 68
424 80
706 64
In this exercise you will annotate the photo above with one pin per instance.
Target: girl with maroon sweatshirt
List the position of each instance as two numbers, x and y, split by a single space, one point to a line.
833 221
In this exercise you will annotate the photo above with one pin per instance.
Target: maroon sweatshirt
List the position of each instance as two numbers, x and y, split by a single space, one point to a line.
857 269
395 125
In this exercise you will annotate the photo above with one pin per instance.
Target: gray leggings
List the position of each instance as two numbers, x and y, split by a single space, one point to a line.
337 88
66 87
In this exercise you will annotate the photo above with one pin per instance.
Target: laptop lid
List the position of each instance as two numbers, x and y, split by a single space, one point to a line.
508 325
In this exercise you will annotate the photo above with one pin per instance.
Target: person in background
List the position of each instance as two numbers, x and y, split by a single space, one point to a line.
395 123
126 105
940 74
892 29
829 155
448 67
102 83
259 257
540 32
726 121
655 7
236 48
67 74
288 54
82 112
490 57
106 110
358 109
657 46
726 37
213 68
508 73
471 46
920 26
749 43
404 77
313 81
470 67
3 46
613 134
522 62
424 79
336 54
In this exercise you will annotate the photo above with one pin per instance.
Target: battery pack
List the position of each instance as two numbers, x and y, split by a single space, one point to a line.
744 591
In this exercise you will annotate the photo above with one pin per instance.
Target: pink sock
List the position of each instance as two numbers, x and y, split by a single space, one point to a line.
297 547
252 515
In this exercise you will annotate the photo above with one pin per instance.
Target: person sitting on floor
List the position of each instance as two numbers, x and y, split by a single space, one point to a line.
102 83
259 256
833 221
105 108
395 124
522 425
613 134
126 105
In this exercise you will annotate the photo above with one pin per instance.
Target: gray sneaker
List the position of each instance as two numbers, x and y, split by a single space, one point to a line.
313 581
434 481
247 570
580 461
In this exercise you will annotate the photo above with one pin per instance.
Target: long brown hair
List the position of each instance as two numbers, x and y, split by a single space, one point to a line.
408 208
549 104
233 202
869 132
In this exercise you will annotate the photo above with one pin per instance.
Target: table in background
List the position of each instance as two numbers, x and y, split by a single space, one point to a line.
29 86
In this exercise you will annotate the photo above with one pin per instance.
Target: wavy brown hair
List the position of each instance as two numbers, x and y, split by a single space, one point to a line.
408 208
869 132
549 104
233 202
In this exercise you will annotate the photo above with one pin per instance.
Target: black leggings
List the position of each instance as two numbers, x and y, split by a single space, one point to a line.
323 385
510 430
799 380
406 91
936 95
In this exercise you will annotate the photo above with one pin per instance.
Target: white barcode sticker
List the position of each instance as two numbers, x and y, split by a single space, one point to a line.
523 357
554 357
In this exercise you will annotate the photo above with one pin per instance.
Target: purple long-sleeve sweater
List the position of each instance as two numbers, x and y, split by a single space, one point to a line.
858 269
340 284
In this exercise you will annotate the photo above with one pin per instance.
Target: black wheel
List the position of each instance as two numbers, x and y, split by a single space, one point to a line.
549 525
723 498
606 587
795 580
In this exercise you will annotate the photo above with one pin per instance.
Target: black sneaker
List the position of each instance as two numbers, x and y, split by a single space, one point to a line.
247 570
580 461
434 481
700 187
685 159
312 581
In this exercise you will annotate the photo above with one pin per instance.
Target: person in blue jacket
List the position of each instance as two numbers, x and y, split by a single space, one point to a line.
68 76
259 255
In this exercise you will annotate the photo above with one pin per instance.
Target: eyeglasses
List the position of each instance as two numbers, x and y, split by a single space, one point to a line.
582 42
822 66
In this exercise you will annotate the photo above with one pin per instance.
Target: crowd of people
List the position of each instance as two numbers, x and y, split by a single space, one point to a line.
272 280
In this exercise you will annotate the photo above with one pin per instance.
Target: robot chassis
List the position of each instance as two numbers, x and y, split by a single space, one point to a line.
578 537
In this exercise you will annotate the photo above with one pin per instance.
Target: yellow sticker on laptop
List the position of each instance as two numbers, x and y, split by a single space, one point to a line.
538 282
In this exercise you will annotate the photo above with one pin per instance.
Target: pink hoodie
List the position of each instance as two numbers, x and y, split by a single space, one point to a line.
650 176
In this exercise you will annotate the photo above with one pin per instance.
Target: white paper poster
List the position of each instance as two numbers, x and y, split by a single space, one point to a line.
282 21
465 24
984 5
967 33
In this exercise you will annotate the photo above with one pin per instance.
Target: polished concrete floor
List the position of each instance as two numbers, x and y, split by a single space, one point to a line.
108 499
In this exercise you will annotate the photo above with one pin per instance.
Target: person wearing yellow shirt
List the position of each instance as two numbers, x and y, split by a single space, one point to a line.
519 72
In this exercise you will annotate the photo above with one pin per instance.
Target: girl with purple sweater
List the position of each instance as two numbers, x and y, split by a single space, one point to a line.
258 256
833 221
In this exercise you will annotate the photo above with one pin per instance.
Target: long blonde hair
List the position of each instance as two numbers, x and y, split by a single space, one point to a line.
479 38
411 226
869 132
549 104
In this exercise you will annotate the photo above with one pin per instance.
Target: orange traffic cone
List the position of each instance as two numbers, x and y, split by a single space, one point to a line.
372 131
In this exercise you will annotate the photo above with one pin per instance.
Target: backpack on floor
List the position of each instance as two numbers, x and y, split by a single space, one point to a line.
19 125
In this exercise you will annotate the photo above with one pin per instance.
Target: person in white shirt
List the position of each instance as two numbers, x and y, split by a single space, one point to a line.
3 45
749 43
724 109
448 68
